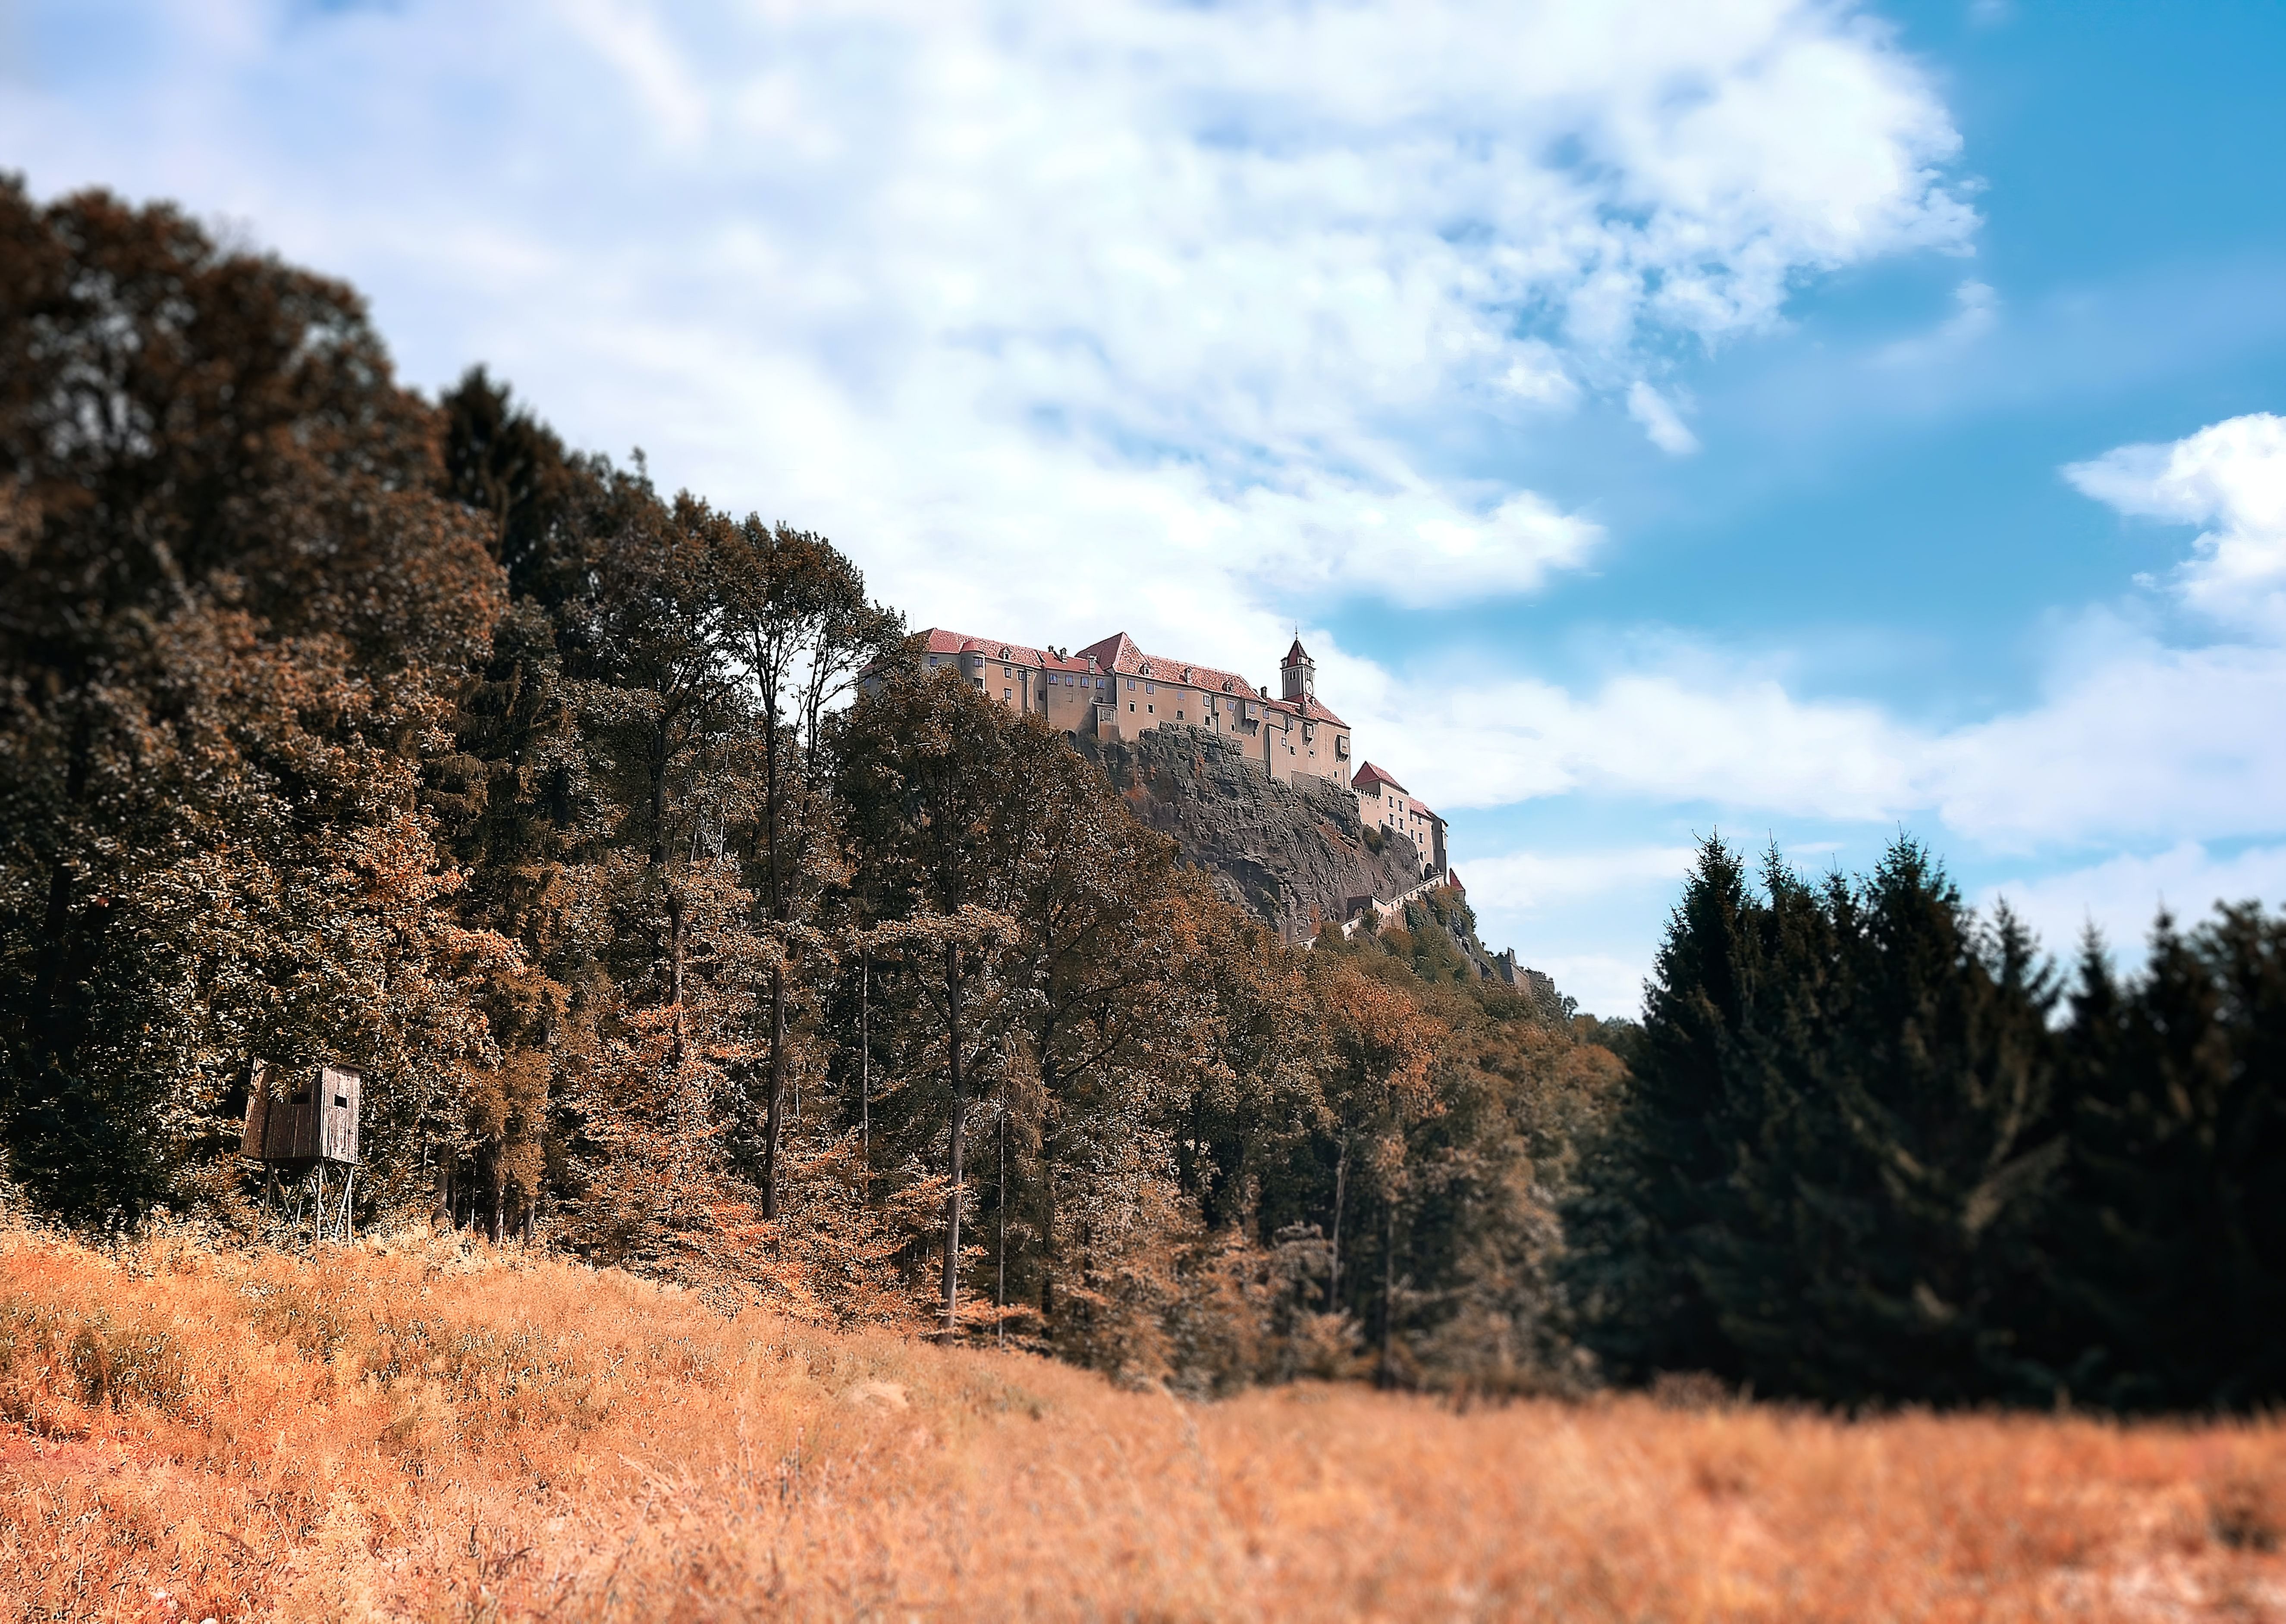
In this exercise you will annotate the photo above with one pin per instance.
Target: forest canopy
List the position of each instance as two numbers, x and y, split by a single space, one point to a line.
342 725
678 917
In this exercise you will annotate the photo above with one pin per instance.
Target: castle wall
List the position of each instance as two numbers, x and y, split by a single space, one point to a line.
1114 691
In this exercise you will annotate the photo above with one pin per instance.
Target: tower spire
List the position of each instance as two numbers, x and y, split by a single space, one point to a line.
1298 673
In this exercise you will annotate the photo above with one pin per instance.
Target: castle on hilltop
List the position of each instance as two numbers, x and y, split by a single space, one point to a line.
1112 690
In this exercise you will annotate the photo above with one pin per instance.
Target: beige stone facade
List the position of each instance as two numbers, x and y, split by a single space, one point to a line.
1112 689
1386 804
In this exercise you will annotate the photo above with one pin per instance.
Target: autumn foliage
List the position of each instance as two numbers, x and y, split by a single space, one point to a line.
679 917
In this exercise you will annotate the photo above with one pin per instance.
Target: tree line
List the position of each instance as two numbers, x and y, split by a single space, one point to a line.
675 913
1874 1148
679 917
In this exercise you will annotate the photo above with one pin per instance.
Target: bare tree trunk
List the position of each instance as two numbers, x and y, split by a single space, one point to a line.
774 1121
1341 1191
675 929
959 1128
1000 1244
55 950
1388 1375
774 828
865 1069
500 1198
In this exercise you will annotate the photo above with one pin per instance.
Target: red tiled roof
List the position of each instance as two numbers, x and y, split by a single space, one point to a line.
943 641
1368 775
1298 653
1309 708
1118 652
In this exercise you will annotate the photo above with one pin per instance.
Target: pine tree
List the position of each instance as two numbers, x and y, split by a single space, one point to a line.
1653 1181
1828 1174
1928 1153
2172 1241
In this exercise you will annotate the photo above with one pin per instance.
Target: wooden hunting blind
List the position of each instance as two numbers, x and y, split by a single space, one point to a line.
297 1119
300 1124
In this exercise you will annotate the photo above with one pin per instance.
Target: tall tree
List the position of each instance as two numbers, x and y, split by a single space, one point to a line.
229 613
2169 1241
997 865
1828 1174
799 629
1924 1148
1648 1203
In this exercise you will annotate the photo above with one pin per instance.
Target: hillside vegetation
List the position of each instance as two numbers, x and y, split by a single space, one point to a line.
682 921
416 1428
678 917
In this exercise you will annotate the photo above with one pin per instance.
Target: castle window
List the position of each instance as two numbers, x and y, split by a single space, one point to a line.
1131 689
1150 688
1007 693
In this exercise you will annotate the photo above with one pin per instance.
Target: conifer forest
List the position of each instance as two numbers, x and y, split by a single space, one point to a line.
681 922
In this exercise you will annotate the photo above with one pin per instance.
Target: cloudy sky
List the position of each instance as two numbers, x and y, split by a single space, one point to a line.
1806 421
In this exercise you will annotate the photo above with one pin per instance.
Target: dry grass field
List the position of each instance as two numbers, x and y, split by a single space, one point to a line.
413 1431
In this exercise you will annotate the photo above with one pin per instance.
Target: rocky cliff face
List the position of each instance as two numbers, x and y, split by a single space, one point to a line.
1296 853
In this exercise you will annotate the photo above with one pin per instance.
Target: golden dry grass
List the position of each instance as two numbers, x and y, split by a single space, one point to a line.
412 1431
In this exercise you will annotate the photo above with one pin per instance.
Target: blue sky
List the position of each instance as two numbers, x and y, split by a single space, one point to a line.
1810 421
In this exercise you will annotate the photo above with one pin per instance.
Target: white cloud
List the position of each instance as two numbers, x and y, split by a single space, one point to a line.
2122 895
2130 741
1660 423
1975 310
1521 881
1605 984
1171 295
2230 476
1068 319
1686 726
2139 742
